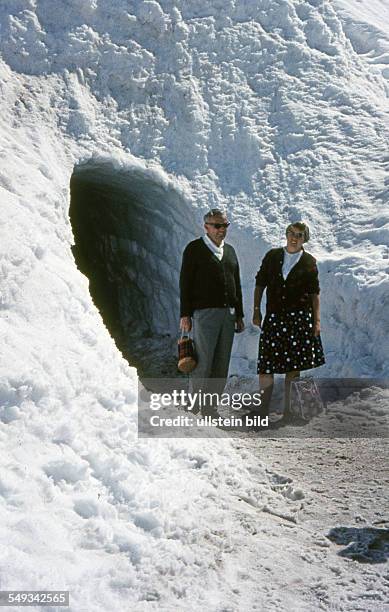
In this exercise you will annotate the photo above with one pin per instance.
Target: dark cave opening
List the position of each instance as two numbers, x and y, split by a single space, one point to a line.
130 229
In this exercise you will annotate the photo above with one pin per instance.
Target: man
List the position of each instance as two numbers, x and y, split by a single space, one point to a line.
211 302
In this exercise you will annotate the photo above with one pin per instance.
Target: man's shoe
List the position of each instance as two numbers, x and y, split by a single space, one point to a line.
287 417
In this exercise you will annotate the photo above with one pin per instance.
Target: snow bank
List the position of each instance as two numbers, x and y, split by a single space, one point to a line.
366 26
263 109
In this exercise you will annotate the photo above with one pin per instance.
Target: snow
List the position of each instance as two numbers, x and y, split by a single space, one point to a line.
366 25
154 112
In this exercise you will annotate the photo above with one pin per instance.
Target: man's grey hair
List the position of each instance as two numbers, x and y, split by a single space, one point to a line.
214 212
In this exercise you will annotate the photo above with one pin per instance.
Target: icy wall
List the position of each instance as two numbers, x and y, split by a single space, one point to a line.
262 108
129 236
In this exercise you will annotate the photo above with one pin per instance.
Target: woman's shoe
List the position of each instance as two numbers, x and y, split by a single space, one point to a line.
274 417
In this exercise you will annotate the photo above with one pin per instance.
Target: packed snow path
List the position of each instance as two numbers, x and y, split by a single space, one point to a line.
339 526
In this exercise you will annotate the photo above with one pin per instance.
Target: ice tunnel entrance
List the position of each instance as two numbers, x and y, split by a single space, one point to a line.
129 232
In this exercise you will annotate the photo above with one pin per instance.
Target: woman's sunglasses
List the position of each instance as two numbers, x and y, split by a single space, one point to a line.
297 235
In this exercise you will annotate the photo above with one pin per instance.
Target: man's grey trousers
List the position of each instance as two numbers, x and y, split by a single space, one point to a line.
213 335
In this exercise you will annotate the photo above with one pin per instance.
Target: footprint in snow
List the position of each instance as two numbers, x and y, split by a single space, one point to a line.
365 544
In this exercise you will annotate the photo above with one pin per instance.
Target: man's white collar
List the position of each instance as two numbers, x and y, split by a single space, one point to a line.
217 250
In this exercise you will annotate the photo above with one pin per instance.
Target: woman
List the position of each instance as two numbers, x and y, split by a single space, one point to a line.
290 339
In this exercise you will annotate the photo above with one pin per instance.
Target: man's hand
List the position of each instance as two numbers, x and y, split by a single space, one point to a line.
185 324
316 328
257 317
239 325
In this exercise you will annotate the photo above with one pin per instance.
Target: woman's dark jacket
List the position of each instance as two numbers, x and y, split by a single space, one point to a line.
294 292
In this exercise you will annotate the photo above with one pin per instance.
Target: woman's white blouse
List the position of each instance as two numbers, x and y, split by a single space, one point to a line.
290 260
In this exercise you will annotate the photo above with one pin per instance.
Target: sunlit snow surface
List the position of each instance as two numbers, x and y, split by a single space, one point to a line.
366 24
275 110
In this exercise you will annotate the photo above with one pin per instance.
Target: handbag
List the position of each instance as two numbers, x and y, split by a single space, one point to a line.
305 400
186 354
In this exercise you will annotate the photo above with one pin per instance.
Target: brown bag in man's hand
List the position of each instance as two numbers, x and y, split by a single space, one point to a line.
186 355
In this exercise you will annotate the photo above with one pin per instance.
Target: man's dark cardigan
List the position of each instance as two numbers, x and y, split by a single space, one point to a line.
294 292
207 282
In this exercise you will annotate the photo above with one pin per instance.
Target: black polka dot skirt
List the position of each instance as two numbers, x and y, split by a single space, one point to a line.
287 343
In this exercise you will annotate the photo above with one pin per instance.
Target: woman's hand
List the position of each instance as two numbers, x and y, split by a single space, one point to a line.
316 314
257 317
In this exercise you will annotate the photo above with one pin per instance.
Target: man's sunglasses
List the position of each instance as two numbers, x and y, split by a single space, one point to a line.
298 235
219 225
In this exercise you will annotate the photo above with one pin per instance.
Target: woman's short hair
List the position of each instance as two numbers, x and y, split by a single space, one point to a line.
303 227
